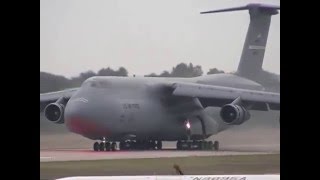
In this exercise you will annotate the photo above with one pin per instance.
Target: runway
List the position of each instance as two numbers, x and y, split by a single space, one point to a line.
72 147
82 154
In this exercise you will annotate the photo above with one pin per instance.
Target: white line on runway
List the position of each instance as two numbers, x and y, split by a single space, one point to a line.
45 157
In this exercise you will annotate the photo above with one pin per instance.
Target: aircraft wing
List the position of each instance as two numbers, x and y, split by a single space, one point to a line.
47 98
210 95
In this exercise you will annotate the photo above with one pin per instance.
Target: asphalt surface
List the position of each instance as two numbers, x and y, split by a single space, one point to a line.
83 154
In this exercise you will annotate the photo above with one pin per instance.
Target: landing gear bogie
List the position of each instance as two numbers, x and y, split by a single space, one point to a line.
105 146
96 146
101 146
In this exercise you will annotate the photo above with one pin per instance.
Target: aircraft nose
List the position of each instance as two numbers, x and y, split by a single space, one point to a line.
80 117
76 108
92 116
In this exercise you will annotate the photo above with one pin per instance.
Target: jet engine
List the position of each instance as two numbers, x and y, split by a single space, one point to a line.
234 114
55 111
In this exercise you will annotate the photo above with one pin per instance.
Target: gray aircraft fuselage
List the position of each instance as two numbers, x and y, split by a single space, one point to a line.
121 108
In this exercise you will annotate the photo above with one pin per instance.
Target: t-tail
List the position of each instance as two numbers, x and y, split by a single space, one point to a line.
254 47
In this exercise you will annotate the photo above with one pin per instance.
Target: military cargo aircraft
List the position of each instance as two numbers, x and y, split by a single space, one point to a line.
141 112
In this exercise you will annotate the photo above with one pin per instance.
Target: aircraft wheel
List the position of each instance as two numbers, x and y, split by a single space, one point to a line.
210 145
216 145
107 146
179 145
101 146
150 145
114 146
153 145
202 145
96 146
159 145
205 145
189 145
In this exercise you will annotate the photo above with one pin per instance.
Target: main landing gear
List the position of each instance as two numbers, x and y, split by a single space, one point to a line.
127 145
198 145
154 145
105 146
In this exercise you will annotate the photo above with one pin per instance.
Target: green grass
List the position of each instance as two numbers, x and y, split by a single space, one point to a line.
238 164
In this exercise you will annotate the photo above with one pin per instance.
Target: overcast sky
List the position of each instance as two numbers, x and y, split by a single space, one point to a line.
146 36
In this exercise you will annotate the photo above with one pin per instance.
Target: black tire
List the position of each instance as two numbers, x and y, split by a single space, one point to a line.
153 145
113 146
216 145
210 145
96 146
189 145
128 145
101 146
202 145
179 145
159 145
107 146
206 145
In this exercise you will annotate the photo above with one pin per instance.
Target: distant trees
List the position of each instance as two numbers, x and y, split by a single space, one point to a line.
110 72
180 70
183 70
215 71
77 81
50 82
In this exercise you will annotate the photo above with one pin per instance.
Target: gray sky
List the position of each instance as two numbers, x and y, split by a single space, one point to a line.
146 36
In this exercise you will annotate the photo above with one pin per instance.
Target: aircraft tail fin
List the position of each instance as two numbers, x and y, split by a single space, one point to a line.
254 47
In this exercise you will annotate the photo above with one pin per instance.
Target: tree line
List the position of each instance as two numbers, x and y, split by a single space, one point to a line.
50 82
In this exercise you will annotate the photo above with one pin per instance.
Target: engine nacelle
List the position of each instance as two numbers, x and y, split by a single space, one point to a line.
55 112
234 114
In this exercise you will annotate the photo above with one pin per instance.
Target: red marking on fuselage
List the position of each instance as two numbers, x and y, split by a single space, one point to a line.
86 127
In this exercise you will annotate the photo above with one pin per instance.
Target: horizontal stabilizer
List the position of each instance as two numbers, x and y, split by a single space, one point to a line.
270 9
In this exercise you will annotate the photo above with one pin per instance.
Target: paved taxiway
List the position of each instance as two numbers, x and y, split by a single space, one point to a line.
72 147
80 154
